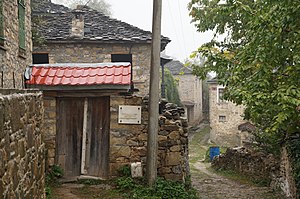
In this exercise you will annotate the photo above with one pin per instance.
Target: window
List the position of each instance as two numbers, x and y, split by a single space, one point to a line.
40 58
121 58
220 94
1 23
21 17
222 118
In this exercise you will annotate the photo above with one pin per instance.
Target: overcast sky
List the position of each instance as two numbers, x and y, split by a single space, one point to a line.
175 23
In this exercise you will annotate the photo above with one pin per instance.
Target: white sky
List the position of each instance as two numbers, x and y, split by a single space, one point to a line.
175 23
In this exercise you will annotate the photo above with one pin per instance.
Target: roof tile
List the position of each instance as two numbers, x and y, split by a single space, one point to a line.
80 74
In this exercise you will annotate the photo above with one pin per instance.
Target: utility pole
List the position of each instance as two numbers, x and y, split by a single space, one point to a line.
152 144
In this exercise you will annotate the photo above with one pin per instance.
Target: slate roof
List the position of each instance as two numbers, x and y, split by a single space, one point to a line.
247 126
75 74
57 20
176 68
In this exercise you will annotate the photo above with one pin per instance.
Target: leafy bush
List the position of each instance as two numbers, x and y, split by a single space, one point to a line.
163 189
52 177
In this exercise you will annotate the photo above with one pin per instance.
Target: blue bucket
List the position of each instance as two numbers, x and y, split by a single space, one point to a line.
213 151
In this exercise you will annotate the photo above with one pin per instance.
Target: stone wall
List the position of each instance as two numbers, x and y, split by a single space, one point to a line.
260 167
13 60
224 133
98 53
129 142
22 159
190 92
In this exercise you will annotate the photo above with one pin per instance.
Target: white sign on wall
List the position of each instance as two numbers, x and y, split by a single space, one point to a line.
130 114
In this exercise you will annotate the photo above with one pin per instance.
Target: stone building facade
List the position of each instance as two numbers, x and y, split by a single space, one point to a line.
127 142
22 151
190 90
15 43
102 53
224 117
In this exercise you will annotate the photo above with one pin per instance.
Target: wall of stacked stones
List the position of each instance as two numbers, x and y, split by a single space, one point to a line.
98 53
260 166
13 61
22 159
128 143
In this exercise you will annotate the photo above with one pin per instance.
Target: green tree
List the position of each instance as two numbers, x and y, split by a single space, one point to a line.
258 60
172 94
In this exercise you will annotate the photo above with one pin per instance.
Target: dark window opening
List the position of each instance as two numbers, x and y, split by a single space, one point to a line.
121 58
42 58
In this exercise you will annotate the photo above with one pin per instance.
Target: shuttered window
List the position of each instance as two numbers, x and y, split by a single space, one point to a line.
21 16
1 23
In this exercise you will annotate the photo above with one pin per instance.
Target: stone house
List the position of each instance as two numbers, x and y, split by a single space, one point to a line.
15 42
22 159
225 118
96 111
190 90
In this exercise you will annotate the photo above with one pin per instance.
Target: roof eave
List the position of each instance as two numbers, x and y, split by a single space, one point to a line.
106 87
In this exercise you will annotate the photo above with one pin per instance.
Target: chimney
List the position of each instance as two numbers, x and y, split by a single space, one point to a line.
77 29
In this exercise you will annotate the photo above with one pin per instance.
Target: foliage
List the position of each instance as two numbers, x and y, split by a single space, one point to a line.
293 147
137 188
125 171
258 60
90 181
172 94
52 177
99 5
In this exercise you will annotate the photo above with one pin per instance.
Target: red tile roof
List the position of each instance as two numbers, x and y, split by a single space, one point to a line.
80 74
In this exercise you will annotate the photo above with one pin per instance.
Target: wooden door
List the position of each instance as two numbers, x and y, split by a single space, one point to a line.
69 135
97 144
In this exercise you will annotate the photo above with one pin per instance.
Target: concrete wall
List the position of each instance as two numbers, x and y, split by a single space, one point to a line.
95 53
190 90
13 61
22 159
224 133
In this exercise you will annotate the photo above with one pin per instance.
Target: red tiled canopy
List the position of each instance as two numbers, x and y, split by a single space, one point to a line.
79 74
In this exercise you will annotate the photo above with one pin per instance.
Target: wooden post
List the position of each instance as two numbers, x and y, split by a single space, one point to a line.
84 133
152 145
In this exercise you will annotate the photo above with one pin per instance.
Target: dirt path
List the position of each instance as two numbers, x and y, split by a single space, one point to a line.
213 186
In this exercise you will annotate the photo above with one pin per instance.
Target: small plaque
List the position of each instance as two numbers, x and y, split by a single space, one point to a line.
130 115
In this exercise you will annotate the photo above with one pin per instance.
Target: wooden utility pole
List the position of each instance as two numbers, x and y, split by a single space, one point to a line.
152 144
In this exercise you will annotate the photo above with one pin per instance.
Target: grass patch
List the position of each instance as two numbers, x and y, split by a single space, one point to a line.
166 189
232 175
93 193
197 146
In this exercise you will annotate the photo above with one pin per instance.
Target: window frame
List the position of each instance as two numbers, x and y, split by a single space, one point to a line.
2 38
22 28
219 100
224 118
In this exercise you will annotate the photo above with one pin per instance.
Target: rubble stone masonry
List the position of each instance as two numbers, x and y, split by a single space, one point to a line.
22 159
128 142
100 53
14 60
225 117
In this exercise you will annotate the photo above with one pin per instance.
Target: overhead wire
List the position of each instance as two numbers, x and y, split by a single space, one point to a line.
174 26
